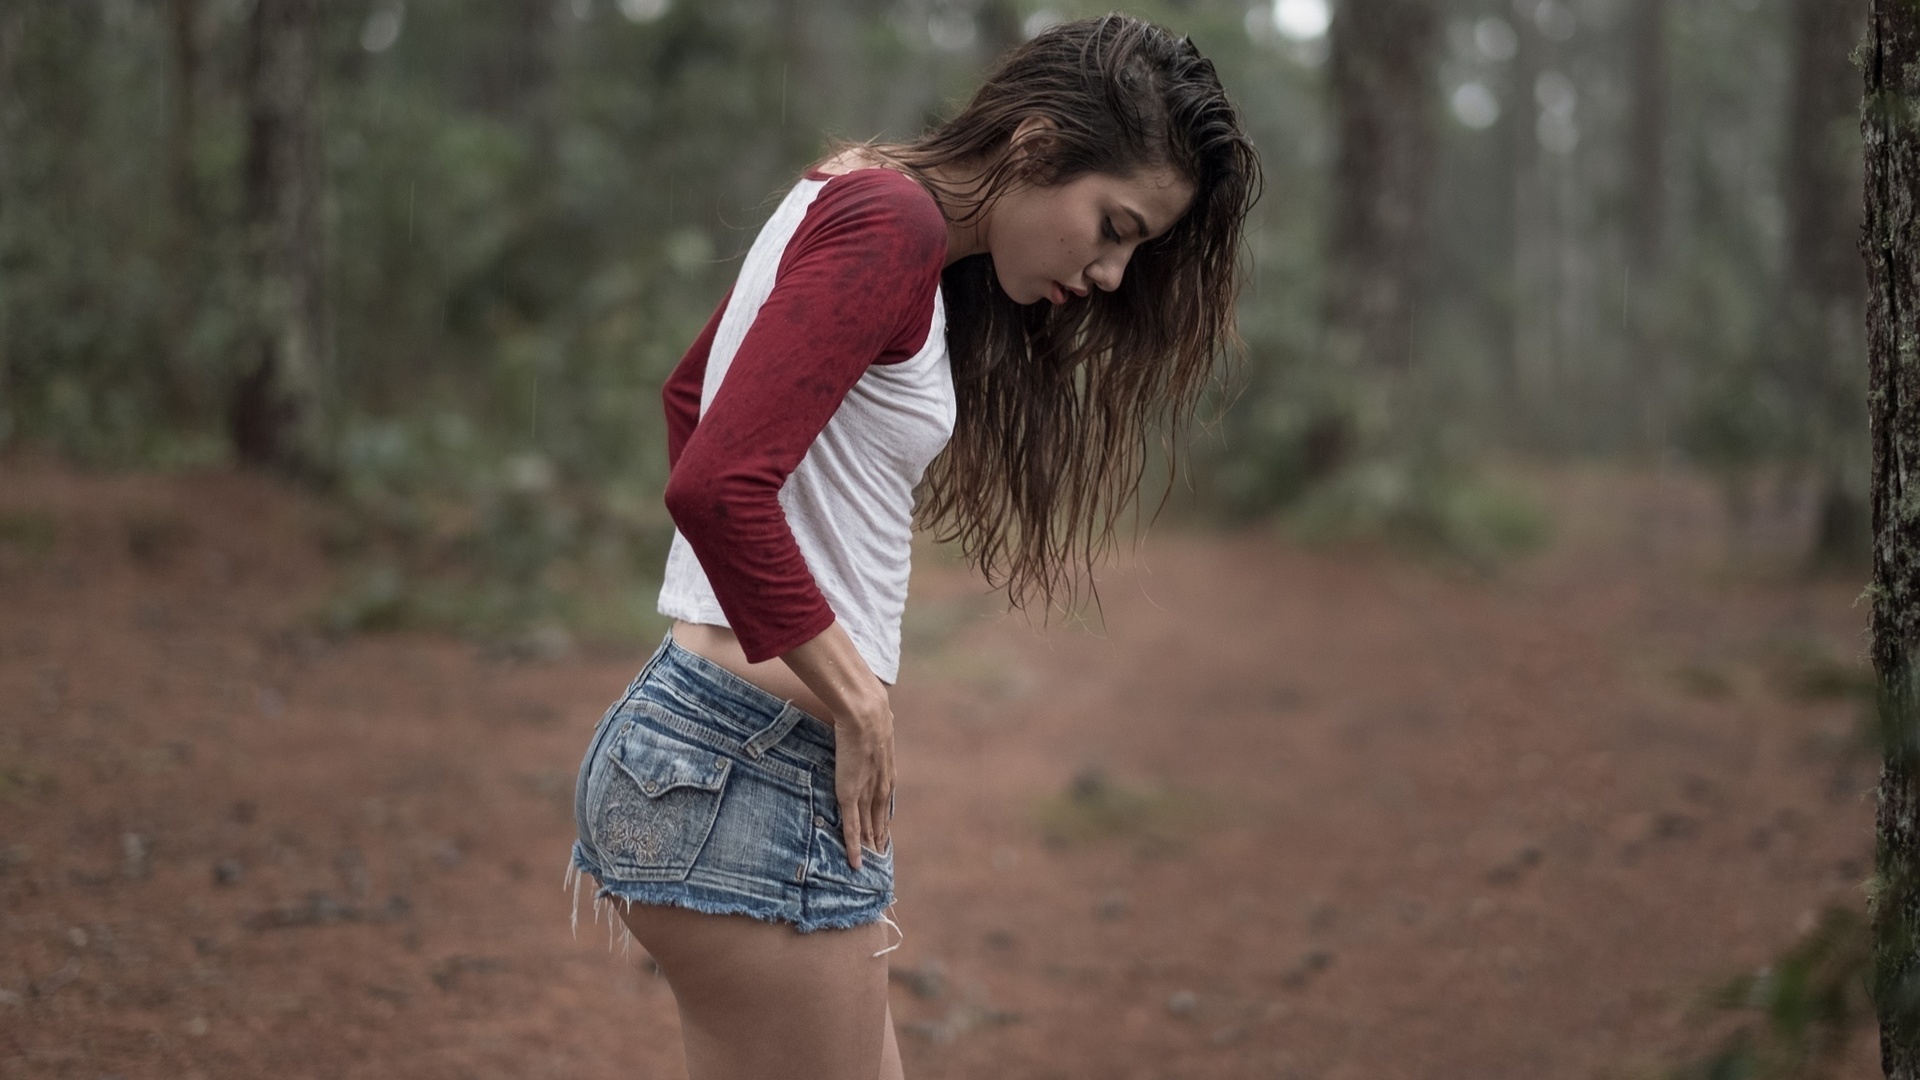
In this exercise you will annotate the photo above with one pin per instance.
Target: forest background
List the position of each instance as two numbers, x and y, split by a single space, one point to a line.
430 262
437 257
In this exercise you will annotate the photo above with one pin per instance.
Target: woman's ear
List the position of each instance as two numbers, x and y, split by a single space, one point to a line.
1033 133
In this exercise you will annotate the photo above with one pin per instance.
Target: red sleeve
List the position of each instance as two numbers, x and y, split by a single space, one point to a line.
855 287
681 392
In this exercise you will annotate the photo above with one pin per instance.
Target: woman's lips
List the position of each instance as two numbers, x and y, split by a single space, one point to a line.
1056 292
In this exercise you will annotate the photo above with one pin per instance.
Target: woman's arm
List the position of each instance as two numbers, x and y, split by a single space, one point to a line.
855 285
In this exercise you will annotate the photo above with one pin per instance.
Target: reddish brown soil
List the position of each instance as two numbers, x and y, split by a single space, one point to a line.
1415 823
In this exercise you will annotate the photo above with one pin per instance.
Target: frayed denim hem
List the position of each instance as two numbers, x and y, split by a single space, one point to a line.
705 901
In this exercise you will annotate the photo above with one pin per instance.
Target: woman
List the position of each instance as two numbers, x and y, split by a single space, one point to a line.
1004 309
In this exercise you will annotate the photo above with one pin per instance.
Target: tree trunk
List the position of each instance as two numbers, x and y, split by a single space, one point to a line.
182 17
1647 137
1001 29
1381 79
1532 345
184 231
276 417
1822 307
1890 242
12 118
1646 218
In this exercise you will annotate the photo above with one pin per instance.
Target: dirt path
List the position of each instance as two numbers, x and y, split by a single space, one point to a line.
1294 815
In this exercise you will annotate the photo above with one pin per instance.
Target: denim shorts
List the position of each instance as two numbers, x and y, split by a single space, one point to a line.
703 791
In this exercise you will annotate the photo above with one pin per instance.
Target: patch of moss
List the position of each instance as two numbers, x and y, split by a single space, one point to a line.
1808 672
1095 806
33 533
1799 1012
22 780
1702 679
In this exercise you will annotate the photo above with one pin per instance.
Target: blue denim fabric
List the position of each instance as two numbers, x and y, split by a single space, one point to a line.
701 790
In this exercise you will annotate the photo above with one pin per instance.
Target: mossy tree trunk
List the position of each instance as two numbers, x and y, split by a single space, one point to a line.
1890 242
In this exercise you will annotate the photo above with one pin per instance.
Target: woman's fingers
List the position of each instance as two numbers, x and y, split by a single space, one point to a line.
877 811
878 795
850 826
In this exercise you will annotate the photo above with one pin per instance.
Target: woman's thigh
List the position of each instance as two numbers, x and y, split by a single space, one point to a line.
758 999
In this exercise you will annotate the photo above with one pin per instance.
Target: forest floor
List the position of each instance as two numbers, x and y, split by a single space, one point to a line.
1324 815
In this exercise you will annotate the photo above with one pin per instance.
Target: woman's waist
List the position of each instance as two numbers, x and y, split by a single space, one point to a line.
719 645
869 607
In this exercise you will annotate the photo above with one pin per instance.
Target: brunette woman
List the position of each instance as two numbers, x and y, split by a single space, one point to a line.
997 315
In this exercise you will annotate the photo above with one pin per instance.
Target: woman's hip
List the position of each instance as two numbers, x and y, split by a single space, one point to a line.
702 791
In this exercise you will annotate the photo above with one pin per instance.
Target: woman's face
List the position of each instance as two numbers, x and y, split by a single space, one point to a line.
1049 243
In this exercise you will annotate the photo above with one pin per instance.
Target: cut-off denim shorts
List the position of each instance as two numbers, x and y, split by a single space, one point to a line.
700 790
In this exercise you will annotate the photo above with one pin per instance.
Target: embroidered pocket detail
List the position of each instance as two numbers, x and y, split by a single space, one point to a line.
659 806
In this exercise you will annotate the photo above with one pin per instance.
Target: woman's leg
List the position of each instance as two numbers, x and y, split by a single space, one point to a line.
760 1000
890 1067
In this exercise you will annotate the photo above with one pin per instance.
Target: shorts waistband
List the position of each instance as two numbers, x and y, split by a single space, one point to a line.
738 706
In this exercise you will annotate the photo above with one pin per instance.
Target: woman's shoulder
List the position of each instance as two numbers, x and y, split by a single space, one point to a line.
868 195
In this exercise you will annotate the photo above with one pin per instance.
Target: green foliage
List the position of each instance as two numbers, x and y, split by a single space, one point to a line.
440 533
1797 1013
528 209
1407 502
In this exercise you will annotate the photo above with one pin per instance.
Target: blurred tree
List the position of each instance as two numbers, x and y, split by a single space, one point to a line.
1531 278
1646 207
1647 134
1000 27
12 32
182 25
1823 354
1890 130
1381 76
276 414
1721 295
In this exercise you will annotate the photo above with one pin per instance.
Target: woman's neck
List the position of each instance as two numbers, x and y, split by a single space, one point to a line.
966 229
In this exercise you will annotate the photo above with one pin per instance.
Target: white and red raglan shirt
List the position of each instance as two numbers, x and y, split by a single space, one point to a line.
804 415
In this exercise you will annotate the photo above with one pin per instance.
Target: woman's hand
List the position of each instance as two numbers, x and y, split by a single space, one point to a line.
863 778
862 735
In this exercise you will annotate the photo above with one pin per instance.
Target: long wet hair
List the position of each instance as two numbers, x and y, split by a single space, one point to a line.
1057 405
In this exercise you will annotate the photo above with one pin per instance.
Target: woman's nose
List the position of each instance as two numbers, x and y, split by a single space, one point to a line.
1106 273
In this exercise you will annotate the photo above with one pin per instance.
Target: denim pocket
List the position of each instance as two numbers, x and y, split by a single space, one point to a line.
658 805
830 865
830 860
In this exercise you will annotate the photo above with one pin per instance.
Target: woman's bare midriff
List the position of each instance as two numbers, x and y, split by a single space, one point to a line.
718 644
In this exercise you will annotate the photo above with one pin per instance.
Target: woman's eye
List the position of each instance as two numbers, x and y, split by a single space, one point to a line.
1107 230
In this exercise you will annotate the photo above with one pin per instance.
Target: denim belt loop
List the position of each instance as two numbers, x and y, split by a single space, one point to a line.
770 736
